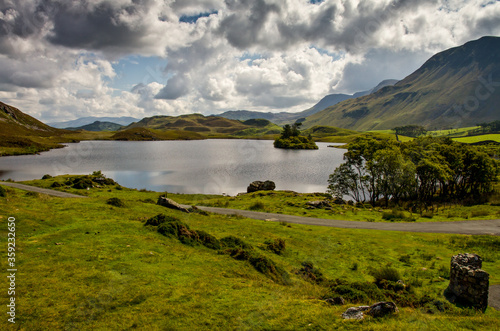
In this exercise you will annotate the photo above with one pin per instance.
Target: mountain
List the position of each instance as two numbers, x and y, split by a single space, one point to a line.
91 119
98 126
285 117
458 87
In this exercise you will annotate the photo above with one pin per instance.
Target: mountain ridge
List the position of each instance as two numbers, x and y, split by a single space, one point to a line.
457 87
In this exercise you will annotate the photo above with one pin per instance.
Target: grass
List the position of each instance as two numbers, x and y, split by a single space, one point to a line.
89 265
479 138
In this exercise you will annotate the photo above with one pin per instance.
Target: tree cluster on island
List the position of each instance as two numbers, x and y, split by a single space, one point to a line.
290 138
418 172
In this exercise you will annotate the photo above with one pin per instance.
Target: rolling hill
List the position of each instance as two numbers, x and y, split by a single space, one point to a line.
206 126
455 88
124 120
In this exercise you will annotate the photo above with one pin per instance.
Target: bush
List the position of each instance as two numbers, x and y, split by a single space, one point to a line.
161 218
179 230
115 202
276 246
397 215
208 240
385 273
234 242
56 184
266 266
82 183
46 176
310 273
3 193
258 205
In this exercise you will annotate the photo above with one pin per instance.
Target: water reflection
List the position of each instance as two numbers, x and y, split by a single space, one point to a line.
207 166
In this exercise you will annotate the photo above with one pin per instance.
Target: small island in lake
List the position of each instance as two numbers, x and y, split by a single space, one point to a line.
290 138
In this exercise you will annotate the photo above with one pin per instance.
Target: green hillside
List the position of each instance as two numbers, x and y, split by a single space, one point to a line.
23 134
98 126
208 126
450 90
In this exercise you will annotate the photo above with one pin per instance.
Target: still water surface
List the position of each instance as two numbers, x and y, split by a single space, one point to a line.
200 166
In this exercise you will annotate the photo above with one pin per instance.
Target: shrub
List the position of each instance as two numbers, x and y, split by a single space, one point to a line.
208 240
405 259
310 273
180 230
46 176
3 193
234 242
427 214
385 273
276 246
82 183
397 215
160 218
266 266
56 184
115 202
258 205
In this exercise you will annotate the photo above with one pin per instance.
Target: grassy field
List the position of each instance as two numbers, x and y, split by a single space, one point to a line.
479 138
85 264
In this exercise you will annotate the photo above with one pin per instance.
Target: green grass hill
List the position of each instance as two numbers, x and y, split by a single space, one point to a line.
455 88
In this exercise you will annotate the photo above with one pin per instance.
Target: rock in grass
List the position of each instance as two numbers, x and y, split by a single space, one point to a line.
169 203
376 310
261 186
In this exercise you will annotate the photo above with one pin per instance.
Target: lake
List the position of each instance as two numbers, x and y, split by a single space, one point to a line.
196 166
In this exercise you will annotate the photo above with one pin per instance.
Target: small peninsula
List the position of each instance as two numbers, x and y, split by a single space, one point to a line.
290 138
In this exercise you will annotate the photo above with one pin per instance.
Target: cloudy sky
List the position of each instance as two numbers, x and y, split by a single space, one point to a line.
62 59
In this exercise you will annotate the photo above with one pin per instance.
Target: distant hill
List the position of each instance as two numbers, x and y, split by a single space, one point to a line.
286 117
99 126
458 87
92 119
207 125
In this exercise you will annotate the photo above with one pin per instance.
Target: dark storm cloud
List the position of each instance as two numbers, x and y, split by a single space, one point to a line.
243 27
99 27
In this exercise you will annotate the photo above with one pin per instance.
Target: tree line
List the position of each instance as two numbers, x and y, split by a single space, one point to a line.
423 170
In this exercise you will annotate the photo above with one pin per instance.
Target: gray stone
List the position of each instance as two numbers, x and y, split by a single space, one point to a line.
169 203
261 186
319 204
378 309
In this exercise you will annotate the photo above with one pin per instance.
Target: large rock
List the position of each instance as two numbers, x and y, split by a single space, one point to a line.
169 203
261 186
376 310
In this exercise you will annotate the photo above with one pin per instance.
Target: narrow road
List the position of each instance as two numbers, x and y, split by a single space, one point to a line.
42 190
488 227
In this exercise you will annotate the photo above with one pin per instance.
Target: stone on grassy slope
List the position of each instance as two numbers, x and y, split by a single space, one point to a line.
261 186
169 203
378 309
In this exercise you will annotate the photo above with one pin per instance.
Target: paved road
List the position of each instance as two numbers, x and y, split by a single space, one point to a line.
489 227
42 190
494 297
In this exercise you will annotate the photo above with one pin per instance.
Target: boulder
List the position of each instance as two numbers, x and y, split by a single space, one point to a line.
261 186
376 310
355 313
319 204
169 203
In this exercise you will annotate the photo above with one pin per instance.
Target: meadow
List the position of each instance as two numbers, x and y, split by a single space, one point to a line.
88 264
